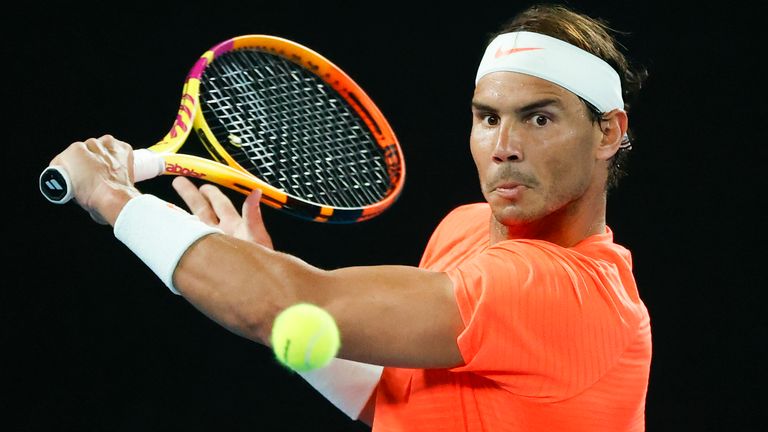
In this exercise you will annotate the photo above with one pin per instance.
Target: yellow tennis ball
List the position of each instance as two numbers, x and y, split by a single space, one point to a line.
305 337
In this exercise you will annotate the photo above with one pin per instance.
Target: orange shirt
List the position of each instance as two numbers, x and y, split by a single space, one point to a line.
556 339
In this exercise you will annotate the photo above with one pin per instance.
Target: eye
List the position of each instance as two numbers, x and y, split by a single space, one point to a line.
491 119
540 120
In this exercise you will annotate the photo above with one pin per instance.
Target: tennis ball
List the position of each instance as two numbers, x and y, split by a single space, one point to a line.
305 337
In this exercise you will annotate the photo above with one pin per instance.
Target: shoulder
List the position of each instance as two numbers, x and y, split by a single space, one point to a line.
467 215
540 268
457 236
595 249
463 220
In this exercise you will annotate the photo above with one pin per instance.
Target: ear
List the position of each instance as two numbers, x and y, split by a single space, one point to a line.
613 126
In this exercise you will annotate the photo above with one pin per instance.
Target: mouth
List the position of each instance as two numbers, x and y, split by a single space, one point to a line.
509 190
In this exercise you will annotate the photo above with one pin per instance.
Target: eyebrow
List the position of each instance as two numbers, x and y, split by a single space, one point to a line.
533 106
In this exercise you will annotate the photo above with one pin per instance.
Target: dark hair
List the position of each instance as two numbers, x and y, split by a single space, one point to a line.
594 36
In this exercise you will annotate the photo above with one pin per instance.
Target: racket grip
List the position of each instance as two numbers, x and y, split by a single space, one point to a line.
56 186
146 165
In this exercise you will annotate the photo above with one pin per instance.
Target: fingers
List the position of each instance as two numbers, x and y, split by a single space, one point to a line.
207 202
104 148
221 204
114 154
252 206
195 201
254 219
215 208
100 180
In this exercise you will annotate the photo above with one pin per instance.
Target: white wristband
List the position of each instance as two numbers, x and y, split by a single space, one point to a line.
159 233
346 384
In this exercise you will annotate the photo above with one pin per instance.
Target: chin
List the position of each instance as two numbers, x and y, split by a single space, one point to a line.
510 214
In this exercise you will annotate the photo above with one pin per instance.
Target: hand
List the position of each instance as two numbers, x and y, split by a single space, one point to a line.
101 172
214 208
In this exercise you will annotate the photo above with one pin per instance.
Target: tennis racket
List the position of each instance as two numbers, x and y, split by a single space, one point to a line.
276 116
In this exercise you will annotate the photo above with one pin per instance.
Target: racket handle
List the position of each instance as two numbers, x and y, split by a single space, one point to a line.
55 184
146 165
57 187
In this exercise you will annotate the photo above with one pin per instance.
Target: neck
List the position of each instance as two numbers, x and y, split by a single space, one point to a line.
566 226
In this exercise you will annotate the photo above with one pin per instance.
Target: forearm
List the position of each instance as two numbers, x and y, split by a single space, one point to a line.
247 303
249 285
242 285
237 301
239 284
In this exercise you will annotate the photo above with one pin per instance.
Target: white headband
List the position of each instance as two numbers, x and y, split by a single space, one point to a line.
556 61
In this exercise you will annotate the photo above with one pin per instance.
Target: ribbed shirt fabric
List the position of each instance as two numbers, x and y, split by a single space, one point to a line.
556 339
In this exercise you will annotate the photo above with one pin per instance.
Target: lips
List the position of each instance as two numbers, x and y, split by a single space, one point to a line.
509 190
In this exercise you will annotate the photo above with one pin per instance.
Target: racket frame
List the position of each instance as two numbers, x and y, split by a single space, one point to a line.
225 171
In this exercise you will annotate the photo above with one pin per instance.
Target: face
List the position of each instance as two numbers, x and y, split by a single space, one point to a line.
534 145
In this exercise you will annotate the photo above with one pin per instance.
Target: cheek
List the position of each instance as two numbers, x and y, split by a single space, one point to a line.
567 173
479 146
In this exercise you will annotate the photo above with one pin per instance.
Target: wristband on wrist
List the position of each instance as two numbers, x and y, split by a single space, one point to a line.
159 233
346 384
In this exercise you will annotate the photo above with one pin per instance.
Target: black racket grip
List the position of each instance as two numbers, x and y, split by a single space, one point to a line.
55 185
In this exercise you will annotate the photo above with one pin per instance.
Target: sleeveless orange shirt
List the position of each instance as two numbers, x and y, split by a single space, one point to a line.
555 339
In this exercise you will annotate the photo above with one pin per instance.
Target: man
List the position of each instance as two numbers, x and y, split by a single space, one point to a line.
523 314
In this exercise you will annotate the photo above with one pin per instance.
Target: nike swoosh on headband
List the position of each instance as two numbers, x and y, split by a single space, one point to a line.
558 62
501 53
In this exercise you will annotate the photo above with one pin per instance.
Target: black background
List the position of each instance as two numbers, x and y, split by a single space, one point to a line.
92 341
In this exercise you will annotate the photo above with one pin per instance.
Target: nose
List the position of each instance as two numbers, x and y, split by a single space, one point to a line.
508 147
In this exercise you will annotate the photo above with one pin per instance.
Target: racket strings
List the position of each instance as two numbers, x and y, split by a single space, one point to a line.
292 130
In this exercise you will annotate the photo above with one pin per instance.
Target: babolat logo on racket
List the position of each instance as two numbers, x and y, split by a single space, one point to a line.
187 106
178 169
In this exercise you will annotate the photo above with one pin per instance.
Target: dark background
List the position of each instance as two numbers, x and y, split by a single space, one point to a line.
93 341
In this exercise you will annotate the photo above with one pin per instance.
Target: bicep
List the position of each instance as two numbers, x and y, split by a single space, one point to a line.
394 315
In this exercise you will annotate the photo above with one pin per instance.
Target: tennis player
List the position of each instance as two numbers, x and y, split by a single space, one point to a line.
523 314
